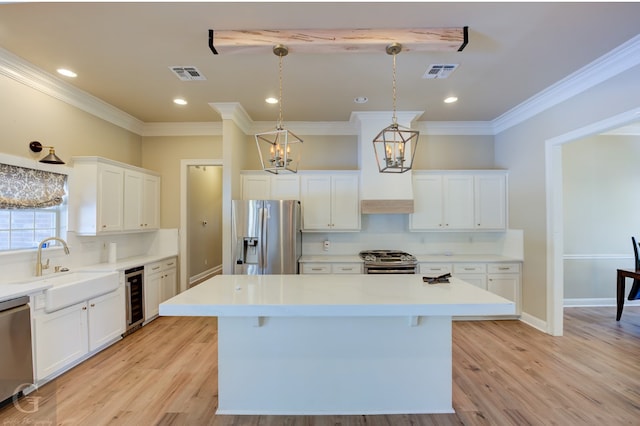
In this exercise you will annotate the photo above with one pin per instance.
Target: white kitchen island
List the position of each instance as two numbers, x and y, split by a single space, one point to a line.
334 344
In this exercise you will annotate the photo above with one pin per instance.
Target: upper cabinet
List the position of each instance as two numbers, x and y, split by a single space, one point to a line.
267 186
330 201
107 196
459 201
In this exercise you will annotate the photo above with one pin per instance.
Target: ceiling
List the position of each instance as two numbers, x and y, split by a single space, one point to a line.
122 53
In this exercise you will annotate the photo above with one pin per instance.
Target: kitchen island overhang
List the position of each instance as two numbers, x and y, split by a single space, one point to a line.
334 344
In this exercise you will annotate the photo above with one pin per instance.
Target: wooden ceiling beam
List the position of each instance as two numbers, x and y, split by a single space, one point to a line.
335 41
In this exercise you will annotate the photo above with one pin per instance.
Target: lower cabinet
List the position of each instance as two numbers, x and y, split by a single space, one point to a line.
502 279
331 268
64 337
160 284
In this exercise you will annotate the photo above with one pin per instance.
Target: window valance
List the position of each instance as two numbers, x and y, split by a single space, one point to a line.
24 188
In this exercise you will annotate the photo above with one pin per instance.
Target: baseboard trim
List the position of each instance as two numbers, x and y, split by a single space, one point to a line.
593 302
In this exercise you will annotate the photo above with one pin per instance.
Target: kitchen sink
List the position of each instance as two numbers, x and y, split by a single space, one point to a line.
74 287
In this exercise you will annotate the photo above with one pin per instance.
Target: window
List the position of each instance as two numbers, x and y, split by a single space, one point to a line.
32 205
24 229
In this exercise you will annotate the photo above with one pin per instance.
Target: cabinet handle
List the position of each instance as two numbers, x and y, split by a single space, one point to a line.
84 308
155 269
93 305
503 268
316 269
469 269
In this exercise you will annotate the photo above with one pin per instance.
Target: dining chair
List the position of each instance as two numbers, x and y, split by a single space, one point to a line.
634 293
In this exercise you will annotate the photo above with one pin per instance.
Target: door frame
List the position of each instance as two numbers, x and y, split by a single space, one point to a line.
184 253
555 213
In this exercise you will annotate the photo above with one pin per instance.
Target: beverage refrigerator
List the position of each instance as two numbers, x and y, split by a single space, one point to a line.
266 236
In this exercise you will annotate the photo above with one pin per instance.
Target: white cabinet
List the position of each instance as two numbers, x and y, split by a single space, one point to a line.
61 338
141 201
504 280
473 273
330 202
66 336
332 268
459 201
490 201
160 284
267 186
106 196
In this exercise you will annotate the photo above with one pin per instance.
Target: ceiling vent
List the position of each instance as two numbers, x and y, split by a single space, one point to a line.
187 73
439 71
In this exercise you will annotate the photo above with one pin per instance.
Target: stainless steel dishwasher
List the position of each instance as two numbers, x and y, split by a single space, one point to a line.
16 364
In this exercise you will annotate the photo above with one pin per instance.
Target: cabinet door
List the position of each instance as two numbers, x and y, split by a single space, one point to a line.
315 195
151 202
256 187
507 286
347 268
168 284
427 203
490 202
345 203
478 280
152 283
60 339
458 201
285 187
106 318
110 198
315 268
133 200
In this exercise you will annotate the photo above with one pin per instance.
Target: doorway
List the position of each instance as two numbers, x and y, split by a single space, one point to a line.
200 221
555 212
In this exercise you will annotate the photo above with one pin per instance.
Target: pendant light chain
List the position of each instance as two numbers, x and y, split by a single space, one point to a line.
280 92
395 119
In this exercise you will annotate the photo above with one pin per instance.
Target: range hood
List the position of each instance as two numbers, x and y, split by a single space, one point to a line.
381 193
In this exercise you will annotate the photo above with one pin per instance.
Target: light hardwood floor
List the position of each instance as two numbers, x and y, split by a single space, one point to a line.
505 373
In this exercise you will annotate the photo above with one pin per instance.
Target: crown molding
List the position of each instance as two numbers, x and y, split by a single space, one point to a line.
213 128
235 112
618 60
25 73
455 128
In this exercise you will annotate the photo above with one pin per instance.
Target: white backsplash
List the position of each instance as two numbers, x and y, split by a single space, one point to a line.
85 251
390 232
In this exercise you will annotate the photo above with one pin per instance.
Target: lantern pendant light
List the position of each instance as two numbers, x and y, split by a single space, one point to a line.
395 145
279 149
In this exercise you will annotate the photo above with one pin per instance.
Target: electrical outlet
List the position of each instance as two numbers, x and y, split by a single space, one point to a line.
325 245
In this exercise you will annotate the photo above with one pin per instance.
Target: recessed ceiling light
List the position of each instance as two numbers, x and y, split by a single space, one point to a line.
361 100
271 100
450 100
66 72
179 101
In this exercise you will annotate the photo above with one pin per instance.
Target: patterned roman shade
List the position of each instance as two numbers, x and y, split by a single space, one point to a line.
23 188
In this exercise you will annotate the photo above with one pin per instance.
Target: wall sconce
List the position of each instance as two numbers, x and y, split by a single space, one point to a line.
51 158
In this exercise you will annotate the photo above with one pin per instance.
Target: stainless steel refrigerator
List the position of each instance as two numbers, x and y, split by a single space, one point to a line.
266 236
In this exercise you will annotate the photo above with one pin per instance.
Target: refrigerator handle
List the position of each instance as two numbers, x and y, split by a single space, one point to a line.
262 253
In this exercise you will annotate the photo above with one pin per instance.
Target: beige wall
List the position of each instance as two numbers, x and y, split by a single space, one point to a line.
600 216
521 150
163 154
27 114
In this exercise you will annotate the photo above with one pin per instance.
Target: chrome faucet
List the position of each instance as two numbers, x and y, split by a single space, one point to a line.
39 265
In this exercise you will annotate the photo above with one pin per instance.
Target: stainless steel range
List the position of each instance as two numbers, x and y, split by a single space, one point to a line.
388 262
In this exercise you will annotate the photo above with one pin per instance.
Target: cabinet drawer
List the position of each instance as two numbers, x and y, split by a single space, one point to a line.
469 268
316 268
346 268
435 268
169 263
152 268
504 268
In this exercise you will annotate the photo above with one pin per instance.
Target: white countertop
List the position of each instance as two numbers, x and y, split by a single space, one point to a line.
333 295
430 258
32 285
